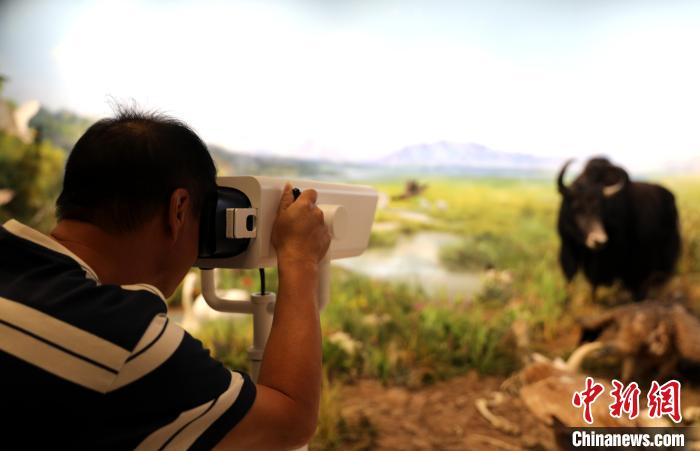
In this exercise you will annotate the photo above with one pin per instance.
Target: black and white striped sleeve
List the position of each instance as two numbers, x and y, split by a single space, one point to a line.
187 399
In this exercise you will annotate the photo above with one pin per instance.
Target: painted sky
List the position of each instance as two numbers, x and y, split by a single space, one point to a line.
359 79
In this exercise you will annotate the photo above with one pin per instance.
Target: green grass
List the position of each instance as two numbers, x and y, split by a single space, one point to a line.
687 191
406 338
401 336
228 341
385 239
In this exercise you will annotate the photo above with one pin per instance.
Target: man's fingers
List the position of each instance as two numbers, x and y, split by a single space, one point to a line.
287 197
309 195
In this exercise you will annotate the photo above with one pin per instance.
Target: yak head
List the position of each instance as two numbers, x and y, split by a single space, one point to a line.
583 204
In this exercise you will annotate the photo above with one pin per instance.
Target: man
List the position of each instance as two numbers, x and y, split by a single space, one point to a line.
88 357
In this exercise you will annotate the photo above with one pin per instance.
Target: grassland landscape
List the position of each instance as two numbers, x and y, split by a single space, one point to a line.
401 336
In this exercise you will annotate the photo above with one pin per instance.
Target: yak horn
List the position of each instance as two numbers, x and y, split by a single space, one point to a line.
560 180
611 190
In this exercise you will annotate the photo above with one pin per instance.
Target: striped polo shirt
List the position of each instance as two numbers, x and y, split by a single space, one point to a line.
85 365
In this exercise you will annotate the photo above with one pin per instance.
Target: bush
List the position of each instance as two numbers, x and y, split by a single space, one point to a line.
34 173
407 339
383 239
228 340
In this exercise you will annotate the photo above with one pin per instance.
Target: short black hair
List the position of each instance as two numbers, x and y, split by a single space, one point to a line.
123 170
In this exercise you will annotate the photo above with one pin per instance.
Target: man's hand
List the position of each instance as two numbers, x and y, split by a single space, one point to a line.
299 234
285 411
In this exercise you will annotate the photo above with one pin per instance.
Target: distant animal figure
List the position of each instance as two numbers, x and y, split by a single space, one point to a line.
613 228
412 189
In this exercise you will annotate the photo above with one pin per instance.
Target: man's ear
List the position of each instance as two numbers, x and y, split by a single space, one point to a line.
179 210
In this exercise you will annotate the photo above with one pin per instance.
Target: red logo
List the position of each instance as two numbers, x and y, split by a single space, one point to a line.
662 399
587 397
626 400
665 400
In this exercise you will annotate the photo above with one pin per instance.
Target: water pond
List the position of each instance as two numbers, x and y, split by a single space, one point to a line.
415 260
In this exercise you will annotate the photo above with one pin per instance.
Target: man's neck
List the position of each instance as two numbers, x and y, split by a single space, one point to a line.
120 259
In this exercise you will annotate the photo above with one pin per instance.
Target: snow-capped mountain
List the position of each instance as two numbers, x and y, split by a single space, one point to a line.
446 154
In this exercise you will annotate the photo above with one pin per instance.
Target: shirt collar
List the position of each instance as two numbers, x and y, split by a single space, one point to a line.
20 230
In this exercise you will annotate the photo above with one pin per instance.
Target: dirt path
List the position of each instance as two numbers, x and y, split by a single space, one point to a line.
440 417
444 417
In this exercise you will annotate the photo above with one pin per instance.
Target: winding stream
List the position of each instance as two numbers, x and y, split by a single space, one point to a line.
415 260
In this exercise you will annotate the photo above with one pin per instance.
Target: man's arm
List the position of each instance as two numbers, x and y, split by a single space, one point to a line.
285 411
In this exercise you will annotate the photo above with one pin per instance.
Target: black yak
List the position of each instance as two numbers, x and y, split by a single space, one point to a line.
612 228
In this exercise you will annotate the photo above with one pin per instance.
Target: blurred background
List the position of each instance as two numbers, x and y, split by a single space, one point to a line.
459 113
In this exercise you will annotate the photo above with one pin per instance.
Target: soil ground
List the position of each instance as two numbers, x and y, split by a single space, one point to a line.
444 417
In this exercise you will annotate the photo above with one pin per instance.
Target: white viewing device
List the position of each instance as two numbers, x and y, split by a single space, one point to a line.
235 232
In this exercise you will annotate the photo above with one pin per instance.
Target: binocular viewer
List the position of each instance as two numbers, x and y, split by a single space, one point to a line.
236 227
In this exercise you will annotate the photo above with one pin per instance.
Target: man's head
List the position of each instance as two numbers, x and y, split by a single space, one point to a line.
137 171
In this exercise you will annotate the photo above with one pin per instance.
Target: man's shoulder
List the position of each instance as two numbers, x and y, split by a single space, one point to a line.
112 313
57 287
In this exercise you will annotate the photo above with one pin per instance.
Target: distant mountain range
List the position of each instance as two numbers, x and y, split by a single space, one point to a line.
465 156
439 158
